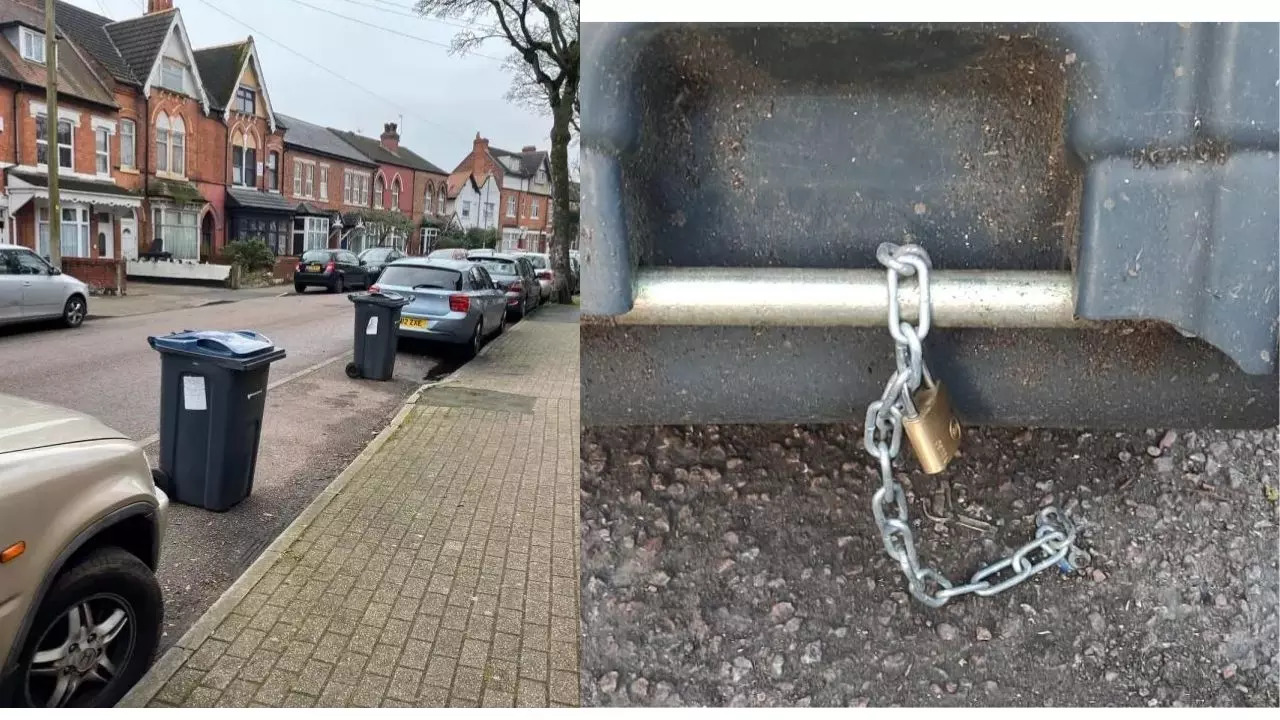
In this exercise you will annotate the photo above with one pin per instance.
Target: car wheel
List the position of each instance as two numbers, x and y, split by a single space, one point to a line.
477 339
74 311
502 324
299 288
94 635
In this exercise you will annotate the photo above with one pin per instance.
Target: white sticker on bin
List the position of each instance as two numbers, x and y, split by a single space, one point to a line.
372 327
193 393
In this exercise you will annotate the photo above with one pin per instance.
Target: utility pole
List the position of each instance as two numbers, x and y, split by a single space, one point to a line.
51 132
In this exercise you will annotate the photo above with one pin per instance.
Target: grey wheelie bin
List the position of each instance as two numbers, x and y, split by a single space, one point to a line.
377 317
212 395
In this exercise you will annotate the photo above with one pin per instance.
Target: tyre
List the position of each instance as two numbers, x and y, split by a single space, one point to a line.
299 288
502 324
477 339
94 634
74 311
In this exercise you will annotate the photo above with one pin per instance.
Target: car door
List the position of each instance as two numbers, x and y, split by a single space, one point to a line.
43 294
10 287
352 269
488 294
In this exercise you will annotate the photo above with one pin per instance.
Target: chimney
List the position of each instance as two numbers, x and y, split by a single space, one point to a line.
479 155
529 148
390 137
155 6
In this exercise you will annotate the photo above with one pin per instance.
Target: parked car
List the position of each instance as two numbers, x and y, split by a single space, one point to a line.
334 270
448 254
81 524
546 276
377 258
32 289
575 275
452 301
516 277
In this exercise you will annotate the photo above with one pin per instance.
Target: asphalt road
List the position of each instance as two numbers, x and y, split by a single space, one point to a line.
315 423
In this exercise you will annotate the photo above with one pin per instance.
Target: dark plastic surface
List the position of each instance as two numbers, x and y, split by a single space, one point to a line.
236 349
1143 158
211 409
375 353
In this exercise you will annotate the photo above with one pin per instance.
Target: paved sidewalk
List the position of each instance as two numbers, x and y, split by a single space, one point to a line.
146 298
440 569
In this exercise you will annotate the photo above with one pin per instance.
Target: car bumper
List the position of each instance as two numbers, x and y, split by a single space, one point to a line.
312 279
445 330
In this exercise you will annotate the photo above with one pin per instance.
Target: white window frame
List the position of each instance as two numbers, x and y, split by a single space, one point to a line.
440 202
309 180
31 45
511 206
297 178
533 208
395 193
271 167
102 151
466 208
167 65
186 250
178 147
379 193
315 233
348 187
78 226
128 143
324 181
71 146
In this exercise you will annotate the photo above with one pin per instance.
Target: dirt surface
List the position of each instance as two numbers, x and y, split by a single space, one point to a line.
740 566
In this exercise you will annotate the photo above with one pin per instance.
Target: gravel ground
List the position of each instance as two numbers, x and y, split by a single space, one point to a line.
740 566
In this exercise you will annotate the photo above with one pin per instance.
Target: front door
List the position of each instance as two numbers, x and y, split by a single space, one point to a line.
206 237
105 240
129 238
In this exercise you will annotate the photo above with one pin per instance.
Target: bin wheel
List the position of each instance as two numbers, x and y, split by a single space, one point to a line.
160 479
353 370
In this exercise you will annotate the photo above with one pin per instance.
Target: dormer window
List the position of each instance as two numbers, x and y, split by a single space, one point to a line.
32 45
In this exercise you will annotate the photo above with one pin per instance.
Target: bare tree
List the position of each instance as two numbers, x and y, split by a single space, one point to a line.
544 37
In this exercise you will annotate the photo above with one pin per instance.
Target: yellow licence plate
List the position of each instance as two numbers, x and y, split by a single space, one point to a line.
413 323
313 268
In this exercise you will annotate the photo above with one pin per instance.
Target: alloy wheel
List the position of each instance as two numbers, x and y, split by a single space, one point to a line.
80 652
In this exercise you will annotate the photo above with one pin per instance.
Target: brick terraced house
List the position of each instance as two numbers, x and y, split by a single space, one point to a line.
522 181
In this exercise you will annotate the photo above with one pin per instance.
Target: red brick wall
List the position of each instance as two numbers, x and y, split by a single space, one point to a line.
131 107
98 274
284 268
24 128
6 112
336 168
389 173
264 140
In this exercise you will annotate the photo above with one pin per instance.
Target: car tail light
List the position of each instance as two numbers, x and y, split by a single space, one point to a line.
459 303
330 267
375 289
515 287
300 266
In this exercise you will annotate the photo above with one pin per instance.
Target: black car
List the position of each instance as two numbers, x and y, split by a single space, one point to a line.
377 258
334 270
515 276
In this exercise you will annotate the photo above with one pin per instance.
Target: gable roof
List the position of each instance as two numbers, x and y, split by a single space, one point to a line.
89 31
320 140
527 162
220 70
75 77
139 40
374 150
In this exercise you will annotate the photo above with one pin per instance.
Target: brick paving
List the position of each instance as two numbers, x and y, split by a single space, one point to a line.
440 570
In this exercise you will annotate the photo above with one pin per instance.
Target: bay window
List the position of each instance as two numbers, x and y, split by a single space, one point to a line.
310 233
177 230
171 145
74 230
244 158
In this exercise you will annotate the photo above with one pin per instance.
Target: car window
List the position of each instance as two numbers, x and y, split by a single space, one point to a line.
417 276
23 262
486 282
499 266
377 254
537 261
349 258
317 256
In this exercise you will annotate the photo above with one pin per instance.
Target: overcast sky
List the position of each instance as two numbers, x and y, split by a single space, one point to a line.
444 99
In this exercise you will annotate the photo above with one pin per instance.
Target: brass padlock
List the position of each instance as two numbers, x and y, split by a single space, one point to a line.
934 432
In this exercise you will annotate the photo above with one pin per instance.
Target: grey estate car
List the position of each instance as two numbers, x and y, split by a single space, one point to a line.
515 276
453 301
32 289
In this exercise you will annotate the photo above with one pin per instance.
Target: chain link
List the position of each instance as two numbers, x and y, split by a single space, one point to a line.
1054 543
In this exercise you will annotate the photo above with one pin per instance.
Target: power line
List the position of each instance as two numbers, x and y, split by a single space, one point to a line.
419 38
386 8
332 72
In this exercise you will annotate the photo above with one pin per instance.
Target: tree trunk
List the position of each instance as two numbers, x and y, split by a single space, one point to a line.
562 113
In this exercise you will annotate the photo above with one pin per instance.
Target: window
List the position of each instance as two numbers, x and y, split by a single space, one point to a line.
244 158
511 206
32 44
324 182
533 208
297 179
395 193
75 231
178 138
310 233
355 188
466 208
429 235
102 151
346 187
162 142
128 140
309 181
488 213
363 187
440 201
245 97
65 148
379 187
23 262
177 231
171 72
273 170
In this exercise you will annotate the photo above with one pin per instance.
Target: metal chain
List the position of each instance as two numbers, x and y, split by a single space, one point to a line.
1054 543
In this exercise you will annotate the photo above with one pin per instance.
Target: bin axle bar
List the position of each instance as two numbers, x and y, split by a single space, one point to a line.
851 298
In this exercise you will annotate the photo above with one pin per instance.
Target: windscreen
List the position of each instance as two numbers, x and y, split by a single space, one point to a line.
422 278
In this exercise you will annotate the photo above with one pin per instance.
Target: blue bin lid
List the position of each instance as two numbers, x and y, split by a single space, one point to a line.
215 343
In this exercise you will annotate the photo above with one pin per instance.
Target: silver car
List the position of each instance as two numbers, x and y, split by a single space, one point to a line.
542 268
32 289
453 301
